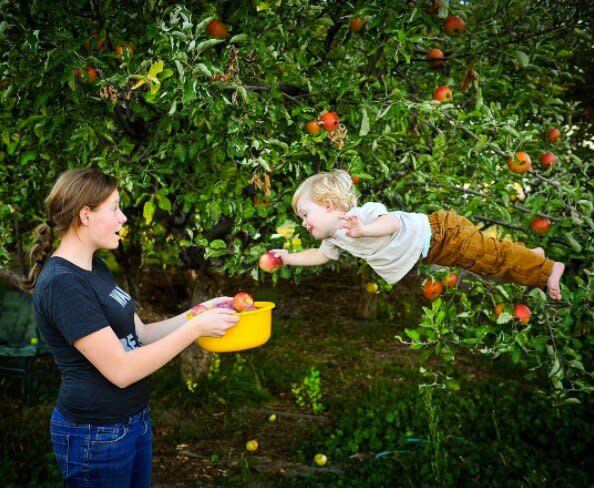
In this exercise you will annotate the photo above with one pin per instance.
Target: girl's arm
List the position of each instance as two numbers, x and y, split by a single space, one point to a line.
149 333
382 226
308 257
123 368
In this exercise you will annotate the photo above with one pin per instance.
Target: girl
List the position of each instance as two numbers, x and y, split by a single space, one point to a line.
101 428
393 242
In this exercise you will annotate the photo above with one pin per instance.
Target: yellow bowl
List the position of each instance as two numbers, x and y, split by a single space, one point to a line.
252 330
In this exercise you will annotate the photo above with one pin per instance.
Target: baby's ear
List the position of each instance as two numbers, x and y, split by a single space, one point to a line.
329 205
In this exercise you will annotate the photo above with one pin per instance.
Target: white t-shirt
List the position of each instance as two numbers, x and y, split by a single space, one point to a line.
391 256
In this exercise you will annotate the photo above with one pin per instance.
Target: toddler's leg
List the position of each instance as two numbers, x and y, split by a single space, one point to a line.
458 242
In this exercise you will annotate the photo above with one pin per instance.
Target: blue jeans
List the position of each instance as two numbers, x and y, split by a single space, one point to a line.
114 455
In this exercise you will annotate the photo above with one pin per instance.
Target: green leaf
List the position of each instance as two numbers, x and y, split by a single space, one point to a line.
154 70
148 211
364 130
523 58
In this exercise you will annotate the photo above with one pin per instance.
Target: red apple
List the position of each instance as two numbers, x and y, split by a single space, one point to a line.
554 135
443 93
216 28
522 313
499 309
432 289
330 121
357 24
198 309
547 160
242 300
454 25
540 225
435 57
269 262
450 280
520 163
313 127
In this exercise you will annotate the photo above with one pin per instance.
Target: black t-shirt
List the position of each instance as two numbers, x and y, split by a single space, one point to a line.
71 303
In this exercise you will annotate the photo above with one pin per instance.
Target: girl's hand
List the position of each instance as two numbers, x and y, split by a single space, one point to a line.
213 302
353 226
215 322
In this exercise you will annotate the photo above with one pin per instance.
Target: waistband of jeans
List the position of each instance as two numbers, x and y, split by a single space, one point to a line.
141 415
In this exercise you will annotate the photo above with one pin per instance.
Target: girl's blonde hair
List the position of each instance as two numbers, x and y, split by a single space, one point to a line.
74 189
336 186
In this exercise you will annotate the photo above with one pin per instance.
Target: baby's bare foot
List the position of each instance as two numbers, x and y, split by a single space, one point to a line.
538 250
554 279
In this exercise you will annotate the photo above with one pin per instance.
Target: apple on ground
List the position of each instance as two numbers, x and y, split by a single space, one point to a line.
320 459
252 445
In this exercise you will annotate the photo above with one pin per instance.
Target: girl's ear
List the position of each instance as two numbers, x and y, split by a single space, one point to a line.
83 215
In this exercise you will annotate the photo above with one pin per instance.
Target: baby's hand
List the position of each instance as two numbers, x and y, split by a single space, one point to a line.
353 226
279 253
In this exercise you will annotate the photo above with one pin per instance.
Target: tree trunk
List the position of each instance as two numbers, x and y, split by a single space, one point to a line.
207 284
367 304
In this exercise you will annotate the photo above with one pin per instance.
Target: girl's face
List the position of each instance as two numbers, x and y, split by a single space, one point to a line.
105 222
320 220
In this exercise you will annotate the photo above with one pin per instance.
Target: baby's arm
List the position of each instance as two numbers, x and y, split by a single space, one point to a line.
382 226
308 257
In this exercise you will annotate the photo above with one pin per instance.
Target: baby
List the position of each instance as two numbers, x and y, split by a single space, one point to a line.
392 242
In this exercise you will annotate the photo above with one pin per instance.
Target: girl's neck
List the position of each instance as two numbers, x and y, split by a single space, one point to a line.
73 249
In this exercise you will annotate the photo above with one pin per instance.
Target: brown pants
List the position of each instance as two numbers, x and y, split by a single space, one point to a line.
456 241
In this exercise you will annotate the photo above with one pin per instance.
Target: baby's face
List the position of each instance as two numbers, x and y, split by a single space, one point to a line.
320 220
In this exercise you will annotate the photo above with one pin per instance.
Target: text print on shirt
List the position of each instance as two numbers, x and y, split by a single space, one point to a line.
120 296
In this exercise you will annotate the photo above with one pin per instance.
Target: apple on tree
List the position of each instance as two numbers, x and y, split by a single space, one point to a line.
217 29
443 93
330 121
454 25
520 162
436 58
547 160
554 135
522 313
540 225
357 24
432 289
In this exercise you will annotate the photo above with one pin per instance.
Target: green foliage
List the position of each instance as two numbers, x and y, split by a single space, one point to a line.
308 394
206 135
495 434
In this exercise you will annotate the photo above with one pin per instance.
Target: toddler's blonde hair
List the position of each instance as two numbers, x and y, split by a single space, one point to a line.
335 185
